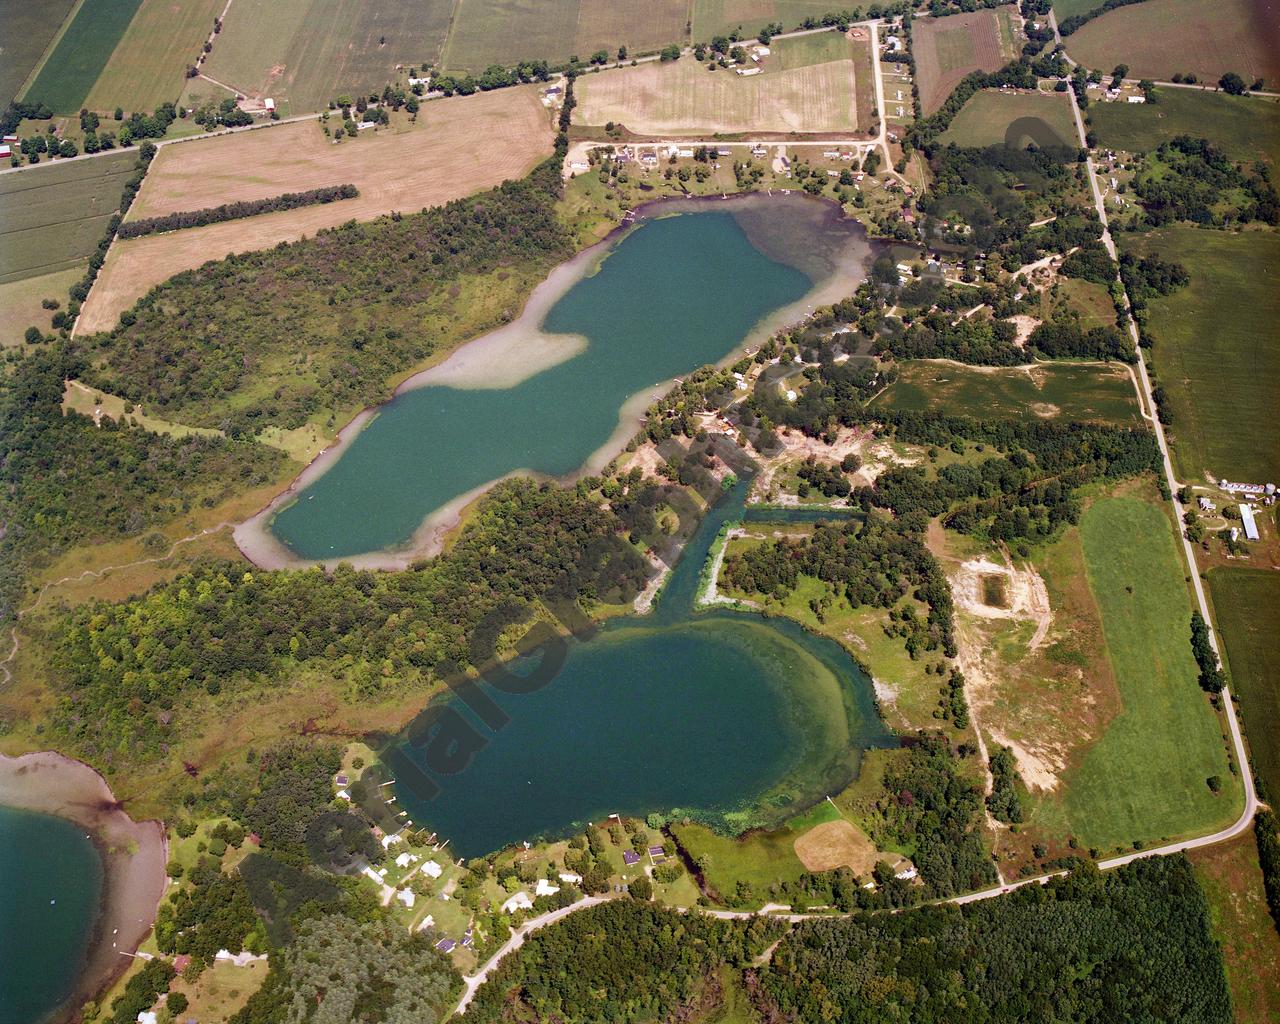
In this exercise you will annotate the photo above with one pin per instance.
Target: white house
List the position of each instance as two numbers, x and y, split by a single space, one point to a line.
545 888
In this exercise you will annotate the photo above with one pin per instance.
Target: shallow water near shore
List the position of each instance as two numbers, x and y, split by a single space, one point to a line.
562 388
50 890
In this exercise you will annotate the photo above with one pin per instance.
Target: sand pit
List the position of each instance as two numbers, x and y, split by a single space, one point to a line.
835 844
134 854
1024 594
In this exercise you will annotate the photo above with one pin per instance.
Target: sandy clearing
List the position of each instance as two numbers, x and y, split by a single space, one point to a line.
459 146
1039 768
836 844
1027 597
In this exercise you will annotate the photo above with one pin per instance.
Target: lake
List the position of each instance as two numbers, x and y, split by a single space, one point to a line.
563 387
49 898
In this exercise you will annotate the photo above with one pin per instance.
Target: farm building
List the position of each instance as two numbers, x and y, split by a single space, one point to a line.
269 105
6 151
747 72
1250 524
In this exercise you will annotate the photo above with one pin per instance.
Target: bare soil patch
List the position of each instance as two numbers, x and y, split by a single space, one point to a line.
458 146
1021 594
835 844
949 48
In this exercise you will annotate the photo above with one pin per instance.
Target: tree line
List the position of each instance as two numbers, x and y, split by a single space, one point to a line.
234 211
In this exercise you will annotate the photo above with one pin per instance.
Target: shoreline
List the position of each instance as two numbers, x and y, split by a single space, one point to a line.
133 854
488 361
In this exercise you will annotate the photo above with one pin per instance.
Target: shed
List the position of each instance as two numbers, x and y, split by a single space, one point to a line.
6 151
268 104
1250 524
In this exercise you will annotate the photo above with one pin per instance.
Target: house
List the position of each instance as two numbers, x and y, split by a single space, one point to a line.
269 105
1250 524
545 888
406 896
519 901
445 945
405 859
572 877
1205 504
747 72
630 858
686 153
10 139
761 51
831 154
1136 99
6 151
147 1017
340 781
724 151
432 869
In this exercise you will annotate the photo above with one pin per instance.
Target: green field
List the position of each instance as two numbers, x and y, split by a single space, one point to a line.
1069 391
815 49
148 66
1247 128
992 117
720 17
26 29
1246 604
1215 350
53 217
1070 8
1159 38
20 302
81 54
303 53
1145 777
485 32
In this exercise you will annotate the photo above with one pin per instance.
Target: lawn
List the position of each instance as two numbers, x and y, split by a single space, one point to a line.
1159 38
1246 604
1232 882
149 64
20 302
947 49
1215 353
760 859
485 32
303 53
657 98
1066 391
1247 128
53 217
1144 778
994 116
80 55
26 29
721 17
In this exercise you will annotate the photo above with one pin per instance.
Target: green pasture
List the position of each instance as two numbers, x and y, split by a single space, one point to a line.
721 17
51 218
1245 127
805 50
993 117
1062 391
1144 778
26 30
1215 350
1246 604
81 54
761 859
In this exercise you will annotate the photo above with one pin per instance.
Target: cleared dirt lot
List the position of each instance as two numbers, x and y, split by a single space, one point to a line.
459 146
660 98
949 48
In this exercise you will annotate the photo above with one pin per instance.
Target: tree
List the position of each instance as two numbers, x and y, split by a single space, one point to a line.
670 52
33 335
1232 83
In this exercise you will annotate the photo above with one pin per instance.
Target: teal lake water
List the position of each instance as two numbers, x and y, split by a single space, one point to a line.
50 887
735 719
675 293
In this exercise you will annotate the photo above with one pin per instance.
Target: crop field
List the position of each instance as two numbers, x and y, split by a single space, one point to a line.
656 98
947 49
303 53
26 30
53 217
1246 604
1145 777
1160 38
78 58
994 116
1247 128
720 17
1068 391
1215 354
458 146
485 32
148 66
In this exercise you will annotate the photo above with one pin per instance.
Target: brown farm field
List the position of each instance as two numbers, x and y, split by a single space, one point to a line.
457 147
20 302
148 65
303 53
947 49
791 95
720 17
1160 38
485 32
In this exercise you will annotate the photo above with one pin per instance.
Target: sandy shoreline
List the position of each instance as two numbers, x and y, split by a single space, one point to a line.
511 354
134 855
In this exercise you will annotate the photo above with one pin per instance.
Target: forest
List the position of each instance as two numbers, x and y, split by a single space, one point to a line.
234 211
129 672
1132 944
1190 179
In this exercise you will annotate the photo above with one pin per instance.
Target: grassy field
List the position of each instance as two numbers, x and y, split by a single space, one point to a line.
1069 391
1160 38
993 117
1232 882
80 55
26 30
800 91
1246 604
1145 777
949 48
1069 8
720 17
1214 350
20 302
458 146
149 64
1247 128
53 217
485 32
303 53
